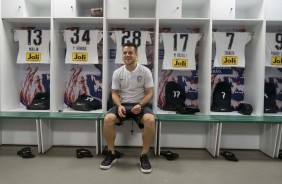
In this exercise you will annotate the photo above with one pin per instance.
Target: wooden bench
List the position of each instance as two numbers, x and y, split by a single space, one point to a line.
212 132
269 136
46 129
24 115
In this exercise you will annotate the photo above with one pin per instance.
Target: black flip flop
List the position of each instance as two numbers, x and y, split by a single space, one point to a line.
23 150
81 153
26 153
229 156
169 155
280 156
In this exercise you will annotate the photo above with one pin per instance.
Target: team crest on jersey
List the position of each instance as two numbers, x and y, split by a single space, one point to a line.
229 60
276 60
179 63
80 56
139 78
33 56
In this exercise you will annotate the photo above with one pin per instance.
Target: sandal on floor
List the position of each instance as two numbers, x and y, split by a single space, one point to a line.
280 156
81 153
25 153
26 149
169 155
229 156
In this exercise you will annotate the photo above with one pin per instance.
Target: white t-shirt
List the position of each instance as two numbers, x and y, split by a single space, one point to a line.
179 50
140 38
230 48
82 46
273 50
33 46
131 85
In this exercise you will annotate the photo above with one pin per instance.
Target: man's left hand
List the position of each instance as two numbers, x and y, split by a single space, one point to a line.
136 109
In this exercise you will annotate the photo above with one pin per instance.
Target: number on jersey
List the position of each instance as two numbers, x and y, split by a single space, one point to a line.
76 36
231 35
278 39
135 37
38 37
182 36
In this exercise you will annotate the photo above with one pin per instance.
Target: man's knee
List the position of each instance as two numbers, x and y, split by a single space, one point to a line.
148 120
110 119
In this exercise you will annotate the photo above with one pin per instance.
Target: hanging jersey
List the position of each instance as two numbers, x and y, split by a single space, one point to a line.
230 48
273 50
82 46
33 46
179 50
140 38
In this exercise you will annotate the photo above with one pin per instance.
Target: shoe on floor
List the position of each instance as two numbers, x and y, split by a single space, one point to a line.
26 153
145 164
81 153
108 161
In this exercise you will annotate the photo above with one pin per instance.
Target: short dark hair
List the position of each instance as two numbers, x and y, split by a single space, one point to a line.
129 44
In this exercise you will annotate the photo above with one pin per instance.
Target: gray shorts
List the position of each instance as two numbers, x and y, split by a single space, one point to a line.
136 117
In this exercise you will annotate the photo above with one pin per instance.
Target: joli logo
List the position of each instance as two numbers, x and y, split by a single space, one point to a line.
276 60
180 63
229 60
79 56
33 56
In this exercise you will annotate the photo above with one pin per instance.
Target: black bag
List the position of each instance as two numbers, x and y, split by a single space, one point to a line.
174 96
188 110
245 109
270 98
86 103
41 101
222 97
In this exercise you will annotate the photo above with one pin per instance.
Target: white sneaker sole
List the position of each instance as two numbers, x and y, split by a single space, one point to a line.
146 171
108 166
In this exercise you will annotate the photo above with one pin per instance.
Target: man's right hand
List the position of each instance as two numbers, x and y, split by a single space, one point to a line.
121 111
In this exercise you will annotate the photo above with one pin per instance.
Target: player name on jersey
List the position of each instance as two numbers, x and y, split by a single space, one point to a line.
230 48
82 46
273 50
179 50
140 38
33 46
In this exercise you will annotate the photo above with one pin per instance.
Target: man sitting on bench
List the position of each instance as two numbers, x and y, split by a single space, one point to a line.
132 90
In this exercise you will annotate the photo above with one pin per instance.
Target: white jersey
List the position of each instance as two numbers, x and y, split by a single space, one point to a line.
273 50
131 85
179 50
33 46
230 48
82 46
140 38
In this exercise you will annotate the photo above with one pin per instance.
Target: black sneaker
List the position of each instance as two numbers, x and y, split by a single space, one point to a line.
145 164
108 161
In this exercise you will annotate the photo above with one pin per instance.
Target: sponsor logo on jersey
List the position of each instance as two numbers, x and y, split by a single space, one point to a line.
179 63
276 60
80 56
33 56
229 60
